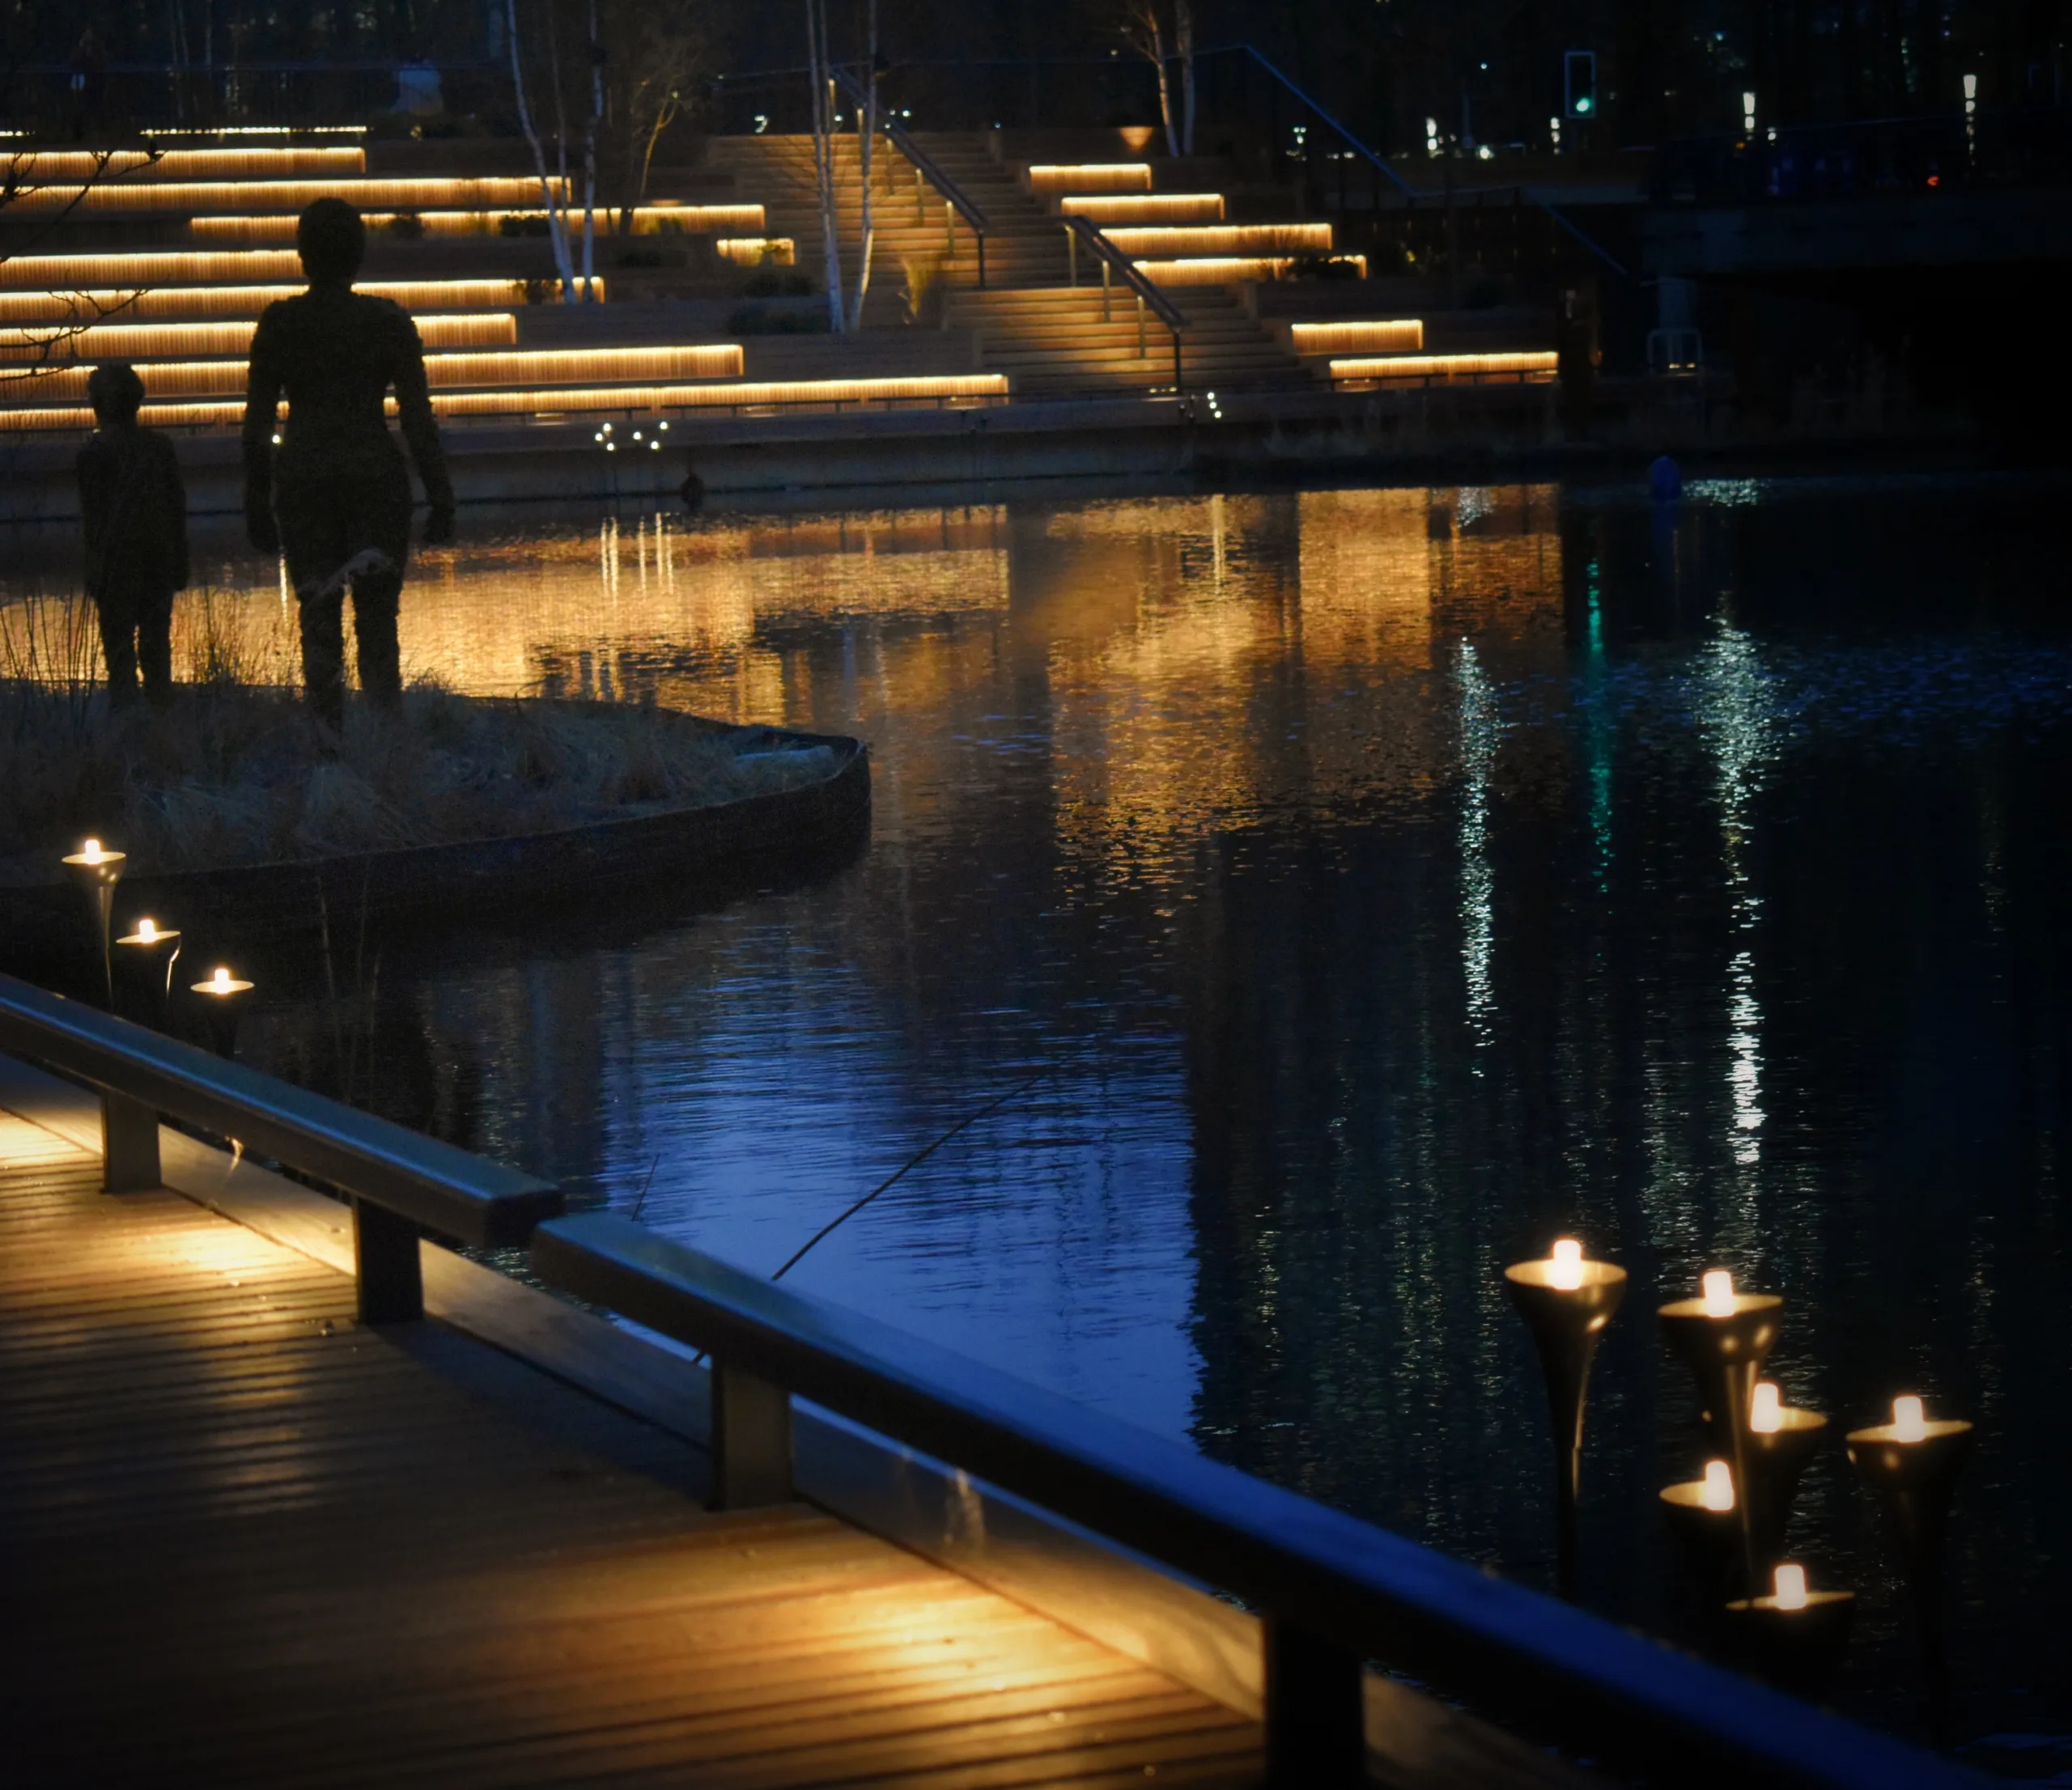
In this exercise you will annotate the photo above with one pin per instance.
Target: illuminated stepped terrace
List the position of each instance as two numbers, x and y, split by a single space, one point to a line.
185 317
1366 355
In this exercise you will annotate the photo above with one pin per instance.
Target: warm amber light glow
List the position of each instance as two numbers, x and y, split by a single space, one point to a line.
1049 177
1143 208
144 342
1524 365
754 251
1172 243
714 360
1718 1286
1226 269
149 267
1766 1410
1565 1264
1719 1486
1381 336
147 930
1910 1419
1789 1587
91 853
244 198
127 165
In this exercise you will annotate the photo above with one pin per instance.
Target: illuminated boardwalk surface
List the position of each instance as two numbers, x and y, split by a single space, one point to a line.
244 1542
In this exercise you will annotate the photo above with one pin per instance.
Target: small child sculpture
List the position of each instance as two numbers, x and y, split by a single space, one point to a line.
133 510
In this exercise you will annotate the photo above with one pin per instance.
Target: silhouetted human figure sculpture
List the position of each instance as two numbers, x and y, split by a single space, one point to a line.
336 498
133 509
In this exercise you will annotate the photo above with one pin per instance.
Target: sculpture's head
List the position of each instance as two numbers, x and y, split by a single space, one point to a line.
115 392
331 240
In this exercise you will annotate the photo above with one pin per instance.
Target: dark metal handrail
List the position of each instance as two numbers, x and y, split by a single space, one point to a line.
398 1179
958 200
1114 260
1359 148
1333 1590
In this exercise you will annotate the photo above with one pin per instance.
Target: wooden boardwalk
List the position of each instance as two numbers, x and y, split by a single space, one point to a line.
245 1542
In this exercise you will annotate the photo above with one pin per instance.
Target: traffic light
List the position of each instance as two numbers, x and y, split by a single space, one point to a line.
1579 83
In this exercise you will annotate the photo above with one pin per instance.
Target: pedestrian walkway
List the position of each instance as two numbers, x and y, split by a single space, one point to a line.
245 1540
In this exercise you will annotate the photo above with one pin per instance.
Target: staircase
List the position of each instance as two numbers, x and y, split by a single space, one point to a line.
1054 342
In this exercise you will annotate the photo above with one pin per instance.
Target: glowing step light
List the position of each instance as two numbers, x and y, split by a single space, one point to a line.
143 342
1528 366
648 221
1223 239
1107 209
129 166
1228 269
952 388
480 193
1047 178
1379 336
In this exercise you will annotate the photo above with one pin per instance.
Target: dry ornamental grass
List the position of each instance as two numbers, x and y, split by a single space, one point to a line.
235 773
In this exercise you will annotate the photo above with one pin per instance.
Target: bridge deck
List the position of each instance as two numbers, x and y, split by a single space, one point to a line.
243 1540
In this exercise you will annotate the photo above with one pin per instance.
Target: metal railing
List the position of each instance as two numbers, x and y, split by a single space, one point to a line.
1332 1591
955 200
398 1181
1114 262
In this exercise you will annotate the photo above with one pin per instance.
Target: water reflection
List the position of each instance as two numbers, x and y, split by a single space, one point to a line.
1381 882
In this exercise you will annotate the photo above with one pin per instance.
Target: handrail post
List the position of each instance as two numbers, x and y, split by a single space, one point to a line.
1107 277
1071 256
1179 379
1139 326
981 236
385 1259
128 1145
1316 1727
751 1440
948 228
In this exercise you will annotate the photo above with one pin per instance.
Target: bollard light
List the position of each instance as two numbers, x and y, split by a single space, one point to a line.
223 997
1780 1443
97 870
1913 1463
148 955
1793 1636
1566 1300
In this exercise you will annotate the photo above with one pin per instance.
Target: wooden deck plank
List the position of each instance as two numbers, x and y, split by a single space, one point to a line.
256 1544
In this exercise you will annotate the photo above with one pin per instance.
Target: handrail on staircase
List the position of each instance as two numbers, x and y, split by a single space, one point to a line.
925 164
1114 262
1360 149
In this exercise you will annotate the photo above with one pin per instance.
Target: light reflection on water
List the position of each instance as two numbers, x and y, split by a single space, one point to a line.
1381 882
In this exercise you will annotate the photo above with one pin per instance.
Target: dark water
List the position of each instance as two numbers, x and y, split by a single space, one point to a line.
1378 884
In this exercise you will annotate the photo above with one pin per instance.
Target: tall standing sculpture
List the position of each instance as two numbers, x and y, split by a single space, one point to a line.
335 497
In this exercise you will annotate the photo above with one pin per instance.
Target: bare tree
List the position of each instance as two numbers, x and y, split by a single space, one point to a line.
45 345
1144 27
553 190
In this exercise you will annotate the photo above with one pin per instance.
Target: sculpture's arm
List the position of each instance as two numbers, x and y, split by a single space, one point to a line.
421 431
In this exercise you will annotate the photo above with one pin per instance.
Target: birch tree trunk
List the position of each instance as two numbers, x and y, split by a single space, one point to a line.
590 159
823 164
866 142
1183 36
556 235
1164 88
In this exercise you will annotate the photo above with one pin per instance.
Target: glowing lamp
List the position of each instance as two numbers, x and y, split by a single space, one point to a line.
1566 1301
96 871
1719 1486
1718 1293
1913 1463
1766 1410
1793 1636
1789 1587
146 957
223 997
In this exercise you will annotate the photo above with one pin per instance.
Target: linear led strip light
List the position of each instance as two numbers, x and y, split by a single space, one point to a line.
142 304
1226 269
126 341
1533 364
1046 178
157 267
648 221
616 400
37 166
202 378
477 193
754 251
254 131
1380 335
1276 240
1143 208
